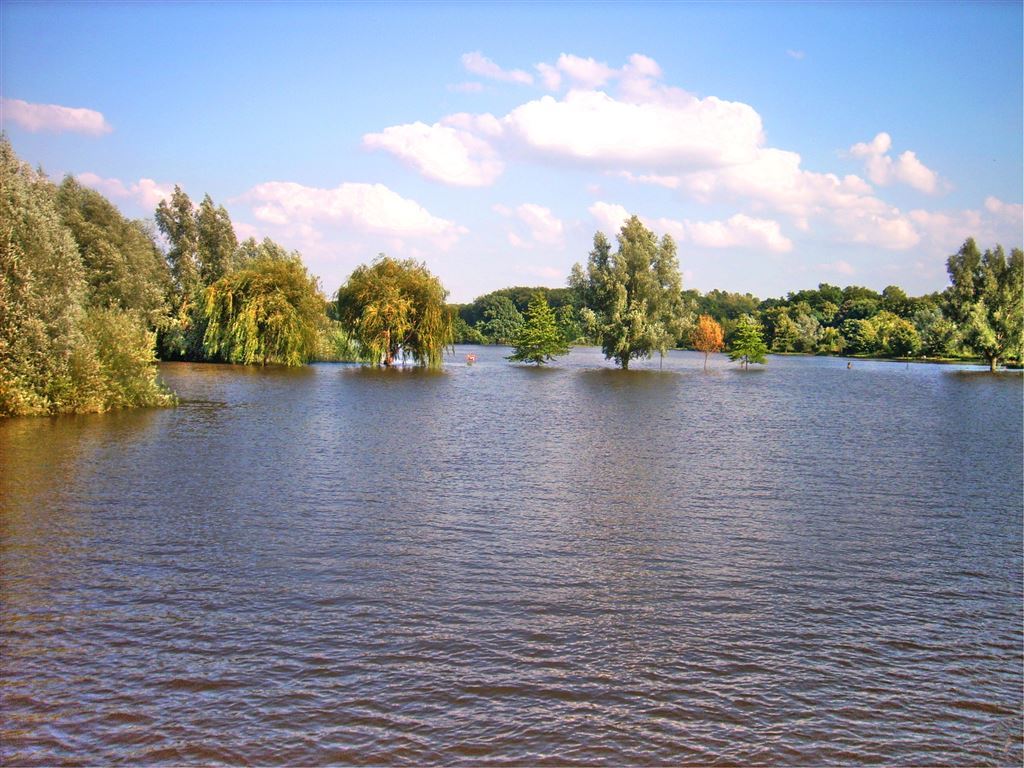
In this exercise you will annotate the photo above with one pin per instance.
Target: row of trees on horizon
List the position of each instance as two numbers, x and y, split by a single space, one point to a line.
89 300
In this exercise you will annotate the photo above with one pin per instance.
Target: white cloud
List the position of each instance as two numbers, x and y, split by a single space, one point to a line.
367 208
650 128
145 192
669 182
586 73
479 64
738 231
795 54
550 76
54 118
1013 212
906 168
440 152
542 226
597 129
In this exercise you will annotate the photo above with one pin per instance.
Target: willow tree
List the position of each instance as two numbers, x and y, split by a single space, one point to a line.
396 309
268 311
635 293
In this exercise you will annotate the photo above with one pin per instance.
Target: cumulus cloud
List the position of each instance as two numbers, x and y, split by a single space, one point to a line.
595 128
839 267
738 231
648 128
367 208
1013 212
53 118
884 170
145 192
585 73
479 64
440 152
541 225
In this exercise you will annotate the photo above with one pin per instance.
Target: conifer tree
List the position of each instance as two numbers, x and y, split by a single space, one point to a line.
539 339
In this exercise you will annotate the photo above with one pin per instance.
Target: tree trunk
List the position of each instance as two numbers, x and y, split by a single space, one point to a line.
705 361
625 362
992 361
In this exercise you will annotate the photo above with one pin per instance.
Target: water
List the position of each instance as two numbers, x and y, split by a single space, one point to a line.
494 564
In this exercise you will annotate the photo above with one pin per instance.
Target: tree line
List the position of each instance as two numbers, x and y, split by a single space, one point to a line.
90 300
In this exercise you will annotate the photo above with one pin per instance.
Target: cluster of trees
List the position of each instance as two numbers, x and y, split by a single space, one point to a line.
89 301
631 304
81 289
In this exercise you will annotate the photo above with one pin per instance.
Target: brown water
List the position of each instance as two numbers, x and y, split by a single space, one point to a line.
494 564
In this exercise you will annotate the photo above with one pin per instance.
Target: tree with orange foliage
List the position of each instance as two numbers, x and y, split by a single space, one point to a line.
707 337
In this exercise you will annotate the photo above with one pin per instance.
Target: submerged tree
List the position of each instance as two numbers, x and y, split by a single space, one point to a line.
707 337
268 311
634 293
987 300
539 338
747 343
396 308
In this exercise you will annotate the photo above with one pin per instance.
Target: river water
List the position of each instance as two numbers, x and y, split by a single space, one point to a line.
802 564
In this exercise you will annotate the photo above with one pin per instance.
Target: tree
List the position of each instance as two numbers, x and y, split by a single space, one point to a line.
707 337
58 354
216 241
396 308
123 267
539 339
987 300
269 311
634 293
502 320
748 344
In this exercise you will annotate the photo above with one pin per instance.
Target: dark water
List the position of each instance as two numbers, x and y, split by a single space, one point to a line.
800 565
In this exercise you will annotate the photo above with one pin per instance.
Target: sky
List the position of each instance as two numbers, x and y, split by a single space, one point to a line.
781 145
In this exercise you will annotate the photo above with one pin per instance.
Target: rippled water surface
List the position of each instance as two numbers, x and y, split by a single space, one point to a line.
494 564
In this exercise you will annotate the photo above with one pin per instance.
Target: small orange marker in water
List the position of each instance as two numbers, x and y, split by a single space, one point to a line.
470 358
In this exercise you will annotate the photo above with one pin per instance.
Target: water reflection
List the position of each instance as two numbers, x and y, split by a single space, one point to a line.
499 563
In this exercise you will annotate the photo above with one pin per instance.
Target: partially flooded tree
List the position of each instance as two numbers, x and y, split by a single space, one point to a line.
987 300
268 311
747 343
539 338
396 309
634 293
707 337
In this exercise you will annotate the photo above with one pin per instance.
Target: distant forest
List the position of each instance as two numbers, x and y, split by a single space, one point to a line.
90 300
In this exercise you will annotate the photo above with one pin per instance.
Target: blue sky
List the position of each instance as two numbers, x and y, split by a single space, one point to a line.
781 145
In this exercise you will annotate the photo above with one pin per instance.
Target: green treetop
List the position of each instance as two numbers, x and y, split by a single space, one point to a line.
987 299
539 339
635 294
747 343
396 308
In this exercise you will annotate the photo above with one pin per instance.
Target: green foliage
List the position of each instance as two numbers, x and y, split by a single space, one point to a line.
463 332
396 308
216 241
269 311
748 343
502 320
635 293
987 299
123 267
539 338
58 354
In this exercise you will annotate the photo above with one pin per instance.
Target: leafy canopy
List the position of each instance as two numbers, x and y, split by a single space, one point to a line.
747 344
634 293
539 338
268 311
396 309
